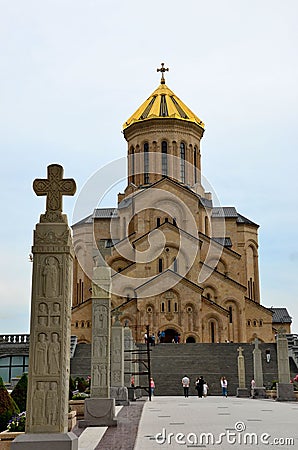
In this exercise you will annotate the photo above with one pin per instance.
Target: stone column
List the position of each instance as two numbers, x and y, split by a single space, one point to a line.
49 353
285 390
118 391
242 391
259 390
100 408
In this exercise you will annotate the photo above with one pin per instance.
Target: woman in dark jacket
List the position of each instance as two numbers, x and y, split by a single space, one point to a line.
199 386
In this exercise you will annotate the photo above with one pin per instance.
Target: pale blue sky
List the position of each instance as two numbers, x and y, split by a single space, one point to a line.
71 72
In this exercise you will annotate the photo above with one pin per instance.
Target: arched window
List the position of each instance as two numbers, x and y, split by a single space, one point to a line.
206 225
212 332
160 265
146 163
169 305
164 158
195 164
182 162
175 265
132 162
158 221
249 323
176 307
231 314
162 307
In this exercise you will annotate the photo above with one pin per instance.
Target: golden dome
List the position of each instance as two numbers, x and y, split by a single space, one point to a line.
163 103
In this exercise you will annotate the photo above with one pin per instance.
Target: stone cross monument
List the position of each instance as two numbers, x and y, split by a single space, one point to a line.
259 390
49 354
242 391
100 408
118 391
285 390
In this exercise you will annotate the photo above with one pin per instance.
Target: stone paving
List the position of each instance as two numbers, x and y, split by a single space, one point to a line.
233 423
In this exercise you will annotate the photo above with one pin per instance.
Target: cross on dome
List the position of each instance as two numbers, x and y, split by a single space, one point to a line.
162 70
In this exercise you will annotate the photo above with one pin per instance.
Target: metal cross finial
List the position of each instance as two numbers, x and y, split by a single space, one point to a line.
162 70
54 187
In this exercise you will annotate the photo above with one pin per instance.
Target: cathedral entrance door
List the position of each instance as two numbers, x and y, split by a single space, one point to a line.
170 335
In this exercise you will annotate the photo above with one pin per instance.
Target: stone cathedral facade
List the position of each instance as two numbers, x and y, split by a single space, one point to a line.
179 263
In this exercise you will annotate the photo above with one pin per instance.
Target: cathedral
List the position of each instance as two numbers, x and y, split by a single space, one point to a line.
179 262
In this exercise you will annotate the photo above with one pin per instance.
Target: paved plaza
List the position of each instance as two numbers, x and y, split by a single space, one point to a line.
211 423
255 420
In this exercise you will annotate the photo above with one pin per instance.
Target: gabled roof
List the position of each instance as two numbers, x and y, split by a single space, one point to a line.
173 274
230 212
280 315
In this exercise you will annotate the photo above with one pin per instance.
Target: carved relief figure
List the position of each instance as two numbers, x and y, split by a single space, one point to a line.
54 354
52 404
50 278
41 355
103 347
38 404
100 317
103 376
43 314
96 376
55 314
96 348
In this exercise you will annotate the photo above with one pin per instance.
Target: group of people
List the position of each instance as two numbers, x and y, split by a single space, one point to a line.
202 387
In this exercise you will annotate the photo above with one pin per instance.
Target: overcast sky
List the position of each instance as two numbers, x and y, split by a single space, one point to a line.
72 72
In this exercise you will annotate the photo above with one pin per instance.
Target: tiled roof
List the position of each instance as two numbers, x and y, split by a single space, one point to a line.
225 211
105 213
281 315
224 241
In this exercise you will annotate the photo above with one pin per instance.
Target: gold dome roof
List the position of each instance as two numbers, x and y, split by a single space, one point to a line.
163 103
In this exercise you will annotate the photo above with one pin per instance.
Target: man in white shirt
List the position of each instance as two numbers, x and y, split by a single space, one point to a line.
185 383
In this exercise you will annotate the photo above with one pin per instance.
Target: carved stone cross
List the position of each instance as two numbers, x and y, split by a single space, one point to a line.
54 187
240 350
117 313
162 70
256 343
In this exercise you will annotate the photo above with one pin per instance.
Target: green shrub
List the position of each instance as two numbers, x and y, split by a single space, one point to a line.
81 383
19 394
8 407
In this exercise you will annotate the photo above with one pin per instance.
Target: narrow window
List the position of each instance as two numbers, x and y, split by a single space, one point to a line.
176 307
208 296
77 324
182 162
160 265
169 305
174 222
146 163
164 158
212 332
248 323
231 314
162 307
166 219
158 221
195 164
175 265
206 226
132 165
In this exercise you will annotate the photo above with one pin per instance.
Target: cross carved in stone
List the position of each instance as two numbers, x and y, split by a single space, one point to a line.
117 313
256 343
162 70
54 187
240 350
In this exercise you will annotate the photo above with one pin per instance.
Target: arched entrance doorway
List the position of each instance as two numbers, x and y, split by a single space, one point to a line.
190 340
170 334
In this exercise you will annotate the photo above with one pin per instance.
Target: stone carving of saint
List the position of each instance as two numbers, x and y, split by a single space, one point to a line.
50 275
96 376
41 355
43 314
103 347
54 354
56 314
38 404
103 376
96 348
52 404
100 318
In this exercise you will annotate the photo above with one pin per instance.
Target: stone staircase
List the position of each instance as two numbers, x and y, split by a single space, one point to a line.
169 363
80 363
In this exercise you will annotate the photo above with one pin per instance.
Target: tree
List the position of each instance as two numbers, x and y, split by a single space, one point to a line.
8 407
19 394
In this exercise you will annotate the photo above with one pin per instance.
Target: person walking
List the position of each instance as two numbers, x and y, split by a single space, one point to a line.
224 386
152 386
205 389
199 386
